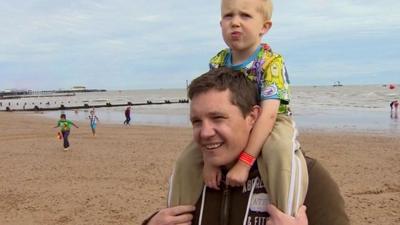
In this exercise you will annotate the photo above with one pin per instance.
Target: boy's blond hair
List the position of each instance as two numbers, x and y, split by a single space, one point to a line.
267 9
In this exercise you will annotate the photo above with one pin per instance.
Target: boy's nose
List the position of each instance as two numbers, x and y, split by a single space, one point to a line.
235 22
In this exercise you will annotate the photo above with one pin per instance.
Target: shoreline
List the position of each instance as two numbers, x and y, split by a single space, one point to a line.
121 175
378 122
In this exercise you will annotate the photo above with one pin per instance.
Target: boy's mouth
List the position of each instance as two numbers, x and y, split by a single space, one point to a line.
236 35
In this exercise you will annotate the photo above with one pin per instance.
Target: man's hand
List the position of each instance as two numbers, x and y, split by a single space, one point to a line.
212 176
279 218
173 216
237 175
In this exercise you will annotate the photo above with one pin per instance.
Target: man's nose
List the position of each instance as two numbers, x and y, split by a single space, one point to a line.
207 130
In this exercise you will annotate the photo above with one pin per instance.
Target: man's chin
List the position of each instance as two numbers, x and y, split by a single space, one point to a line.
213 161
216 162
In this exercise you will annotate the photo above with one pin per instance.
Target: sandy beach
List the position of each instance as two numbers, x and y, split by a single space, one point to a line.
120 176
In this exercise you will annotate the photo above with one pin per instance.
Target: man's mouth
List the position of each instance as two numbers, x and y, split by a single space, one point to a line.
212 146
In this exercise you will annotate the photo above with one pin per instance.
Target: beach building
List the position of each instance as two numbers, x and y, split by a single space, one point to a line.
78 88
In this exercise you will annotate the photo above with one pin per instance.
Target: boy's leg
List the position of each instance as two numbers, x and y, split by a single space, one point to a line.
65 138
283 168
186 182
93 126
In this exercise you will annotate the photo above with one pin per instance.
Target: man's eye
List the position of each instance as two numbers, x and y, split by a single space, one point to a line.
218 117
195 122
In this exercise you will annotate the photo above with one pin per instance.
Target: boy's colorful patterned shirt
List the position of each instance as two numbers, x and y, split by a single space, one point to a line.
267 70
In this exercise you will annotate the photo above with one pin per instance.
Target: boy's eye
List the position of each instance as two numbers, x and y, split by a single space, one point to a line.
245 15
229 15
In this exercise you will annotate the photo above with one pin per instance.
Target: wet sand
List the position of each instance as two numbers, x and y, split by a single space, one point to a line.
120 176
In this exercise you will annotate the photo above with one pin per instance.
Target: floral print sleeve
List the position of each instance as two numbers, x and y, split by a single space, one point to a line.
267 70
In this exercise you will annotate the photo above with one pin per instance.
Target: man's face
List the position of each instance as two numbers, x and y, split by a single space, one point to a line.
219 127
243 24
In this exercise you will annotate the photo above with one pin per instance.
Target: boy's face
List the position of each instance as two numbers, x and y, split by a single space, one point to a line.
243 24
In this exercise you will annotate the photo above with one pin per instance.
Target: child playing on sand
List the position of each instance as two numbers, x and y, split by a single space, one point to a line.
93 121
243 24
65 126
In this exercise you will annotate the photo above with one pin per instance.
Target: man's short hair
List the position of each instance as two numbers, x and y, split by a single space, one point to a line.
244 92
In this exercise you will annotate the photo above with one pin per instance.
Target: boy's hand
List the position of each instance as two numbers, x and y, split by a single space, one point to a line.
212 176
237 176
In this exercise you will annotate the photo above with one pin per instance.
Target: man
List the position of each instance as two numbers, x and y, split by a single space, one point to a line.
223 111
127 115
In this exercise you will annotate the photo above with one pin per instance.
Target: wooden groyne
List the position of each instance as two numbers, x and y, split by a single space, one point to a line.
88 106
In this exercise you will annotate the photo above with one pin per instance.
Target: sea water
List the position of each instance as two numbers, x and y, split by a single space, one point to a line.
355 108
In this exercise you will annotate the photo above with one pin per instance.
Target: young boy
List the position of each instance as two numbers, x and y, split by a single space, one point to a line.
65 126
243 24
93 122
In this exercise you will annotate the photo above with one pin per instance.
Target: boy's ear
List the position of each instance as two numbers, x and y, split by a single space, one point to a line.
266 26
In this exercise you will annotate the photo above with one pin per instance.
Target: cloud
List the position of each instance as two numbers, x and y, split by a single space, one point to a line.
137 44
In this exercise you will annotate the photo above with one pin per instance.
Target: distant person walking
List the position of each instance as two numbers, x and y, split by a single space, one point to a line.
65 126
127 115
394 106
93 121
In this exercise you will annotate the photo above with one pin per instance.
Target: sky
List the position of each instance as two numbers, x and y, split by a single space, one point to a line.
138 44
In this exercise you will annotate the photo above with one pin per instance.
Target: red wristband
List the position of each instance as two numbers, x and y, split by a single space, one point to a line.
247 158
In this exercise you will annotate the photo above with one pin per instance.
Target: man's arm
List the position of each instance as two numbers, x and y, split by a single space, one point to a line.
325 204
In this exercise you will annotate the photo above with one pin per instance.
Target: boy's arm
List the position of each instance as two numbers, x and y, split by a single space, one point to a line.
261 130
74 125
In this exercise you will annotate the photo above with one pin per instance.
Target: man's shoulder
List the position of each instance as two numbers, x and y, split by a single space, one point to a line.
310 162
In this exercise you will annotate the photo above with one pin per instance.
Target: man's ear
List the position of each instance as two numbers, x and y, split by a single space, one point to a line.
254 114
266 26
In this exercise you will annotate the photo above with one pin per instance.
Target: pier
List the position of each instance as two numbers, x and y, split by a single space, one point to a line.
47 106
